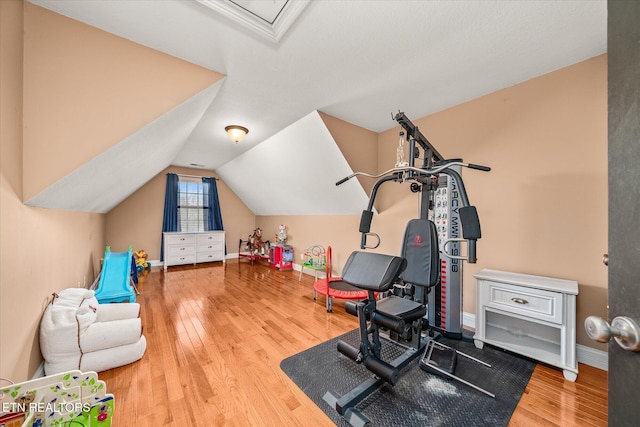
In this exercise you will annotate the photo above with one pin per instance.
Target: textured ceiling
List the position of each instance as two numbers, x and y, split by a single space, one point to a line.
355 60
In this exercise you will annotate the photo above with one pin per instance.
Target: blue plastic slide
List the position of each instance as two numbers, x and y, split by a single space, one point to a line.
115 278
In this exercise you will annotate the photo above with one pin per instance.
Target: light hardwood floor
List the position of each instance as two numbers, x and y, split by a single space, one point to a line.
216 335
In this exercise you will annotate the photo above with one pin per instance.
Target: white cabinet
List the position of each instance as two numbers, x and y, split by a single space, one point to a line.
192 248
530 315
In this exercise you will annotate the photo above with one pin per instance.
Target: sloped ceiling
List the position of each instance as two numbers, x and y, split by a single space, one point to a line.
358 61
106 180
305 186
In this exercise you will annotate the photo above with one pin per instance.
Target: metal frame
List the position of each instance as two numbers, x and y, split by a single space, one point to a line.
426 180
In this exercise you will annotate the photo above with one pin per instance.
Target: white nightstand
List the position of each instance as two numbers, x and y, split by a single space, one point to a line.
530 315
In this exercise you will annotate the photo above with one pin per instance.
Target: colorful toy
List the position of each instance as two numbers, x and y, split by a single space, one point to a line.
254 248
313 258
255 240
141 260
281 257
281 237
12 419
116 282
72 398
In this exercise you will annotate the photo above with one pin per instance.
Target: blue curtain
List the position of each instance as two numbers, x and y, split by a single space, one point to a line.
170 219
211 204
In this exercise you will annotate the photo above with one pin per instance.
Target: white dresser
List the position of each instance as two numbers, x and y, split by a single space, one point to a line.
530 315
192 248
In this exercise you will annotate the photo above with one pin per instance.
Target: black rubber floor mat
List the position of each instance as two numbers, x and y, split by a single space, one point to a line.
419 398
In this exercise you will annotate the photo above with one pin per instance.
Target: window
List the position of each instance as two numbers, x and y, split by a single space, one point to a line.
192 215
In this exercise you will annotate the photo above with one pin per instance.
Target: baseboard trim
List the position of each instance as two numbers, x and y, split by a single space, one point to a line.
587 355
469 320
309 272
158 263
592 357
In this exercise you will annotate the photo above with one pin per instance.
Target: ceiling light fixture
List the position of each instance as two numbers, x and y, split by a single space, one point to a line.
236 133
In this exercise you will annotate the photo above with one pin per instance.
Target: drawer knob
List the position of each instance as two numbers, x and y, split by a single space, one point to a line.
520 301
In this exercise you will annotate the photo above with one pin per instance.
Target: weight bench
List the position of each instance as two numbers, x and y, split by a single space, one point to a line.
415 273
402 317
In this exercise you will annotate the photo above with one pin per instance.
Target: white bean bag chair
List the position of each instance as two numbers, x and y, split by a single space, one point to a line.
76 332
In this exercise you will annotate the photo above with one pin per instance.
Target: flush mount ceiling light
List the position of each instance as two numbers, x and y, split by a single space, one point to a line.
236 133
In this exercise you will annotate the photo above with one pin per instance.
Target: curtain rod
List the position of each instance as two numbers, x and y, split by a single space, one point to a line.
197 176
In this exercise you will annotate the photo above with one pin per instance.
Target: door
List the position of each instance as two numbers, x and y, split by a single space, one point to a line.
624 202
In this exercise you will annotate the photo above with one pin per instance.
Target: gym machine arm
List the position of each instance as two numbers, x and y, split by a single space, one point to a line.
422 175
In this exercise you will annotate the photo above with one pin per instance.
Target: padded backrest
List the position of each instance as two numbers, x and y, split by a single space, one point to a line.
371 271
420 249
470 223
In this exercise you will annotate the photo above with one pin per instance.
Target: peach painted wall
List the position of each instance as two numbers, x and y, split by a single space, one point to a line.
42 251
137 221
87 90
543 207
359 147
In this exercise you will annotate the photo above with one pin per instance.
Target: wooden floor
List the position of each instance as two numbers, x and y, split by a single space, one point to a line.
216 335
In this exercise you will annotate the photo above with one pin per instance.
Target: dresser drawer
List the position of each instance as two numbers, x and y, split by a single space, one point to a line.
536 303
210 238
181 250
179 239
177 259
210 256
210 247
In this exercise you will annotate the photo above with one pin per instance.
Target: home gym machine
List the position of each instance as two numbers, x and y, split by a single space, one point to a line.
444 201
423 285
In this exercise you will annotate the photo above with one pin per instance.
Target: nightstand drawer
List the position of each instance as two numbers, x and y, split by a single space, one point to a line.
536 303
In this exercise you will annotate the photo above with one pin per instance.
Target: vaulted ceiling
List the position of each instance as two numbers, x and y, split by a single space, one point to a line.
284 60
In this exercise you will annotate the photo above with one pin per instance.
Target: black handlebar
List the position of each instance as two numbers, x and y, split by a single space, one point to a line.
343 180
479 167
442 167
